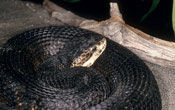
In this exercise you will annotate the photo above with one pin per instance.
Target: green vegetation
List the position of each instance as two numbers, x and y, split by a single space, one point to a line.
173 15
153 7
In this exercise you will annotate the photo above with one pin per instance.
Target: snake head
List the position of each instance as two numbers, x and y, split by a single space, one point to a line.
89 56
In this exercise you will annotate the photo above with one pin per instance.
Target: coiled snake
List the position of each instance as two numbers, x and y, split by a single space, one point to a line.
68 68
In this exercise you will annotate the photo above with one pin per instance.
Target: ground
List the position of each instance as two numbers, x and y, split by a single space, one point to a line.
17 16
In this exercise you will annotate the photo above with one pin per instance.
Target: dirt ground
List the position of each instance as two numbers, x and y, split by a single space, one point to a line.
17 16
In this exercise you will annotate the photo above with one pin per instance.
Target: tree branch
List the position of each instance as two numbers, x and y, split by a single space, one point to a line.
147 47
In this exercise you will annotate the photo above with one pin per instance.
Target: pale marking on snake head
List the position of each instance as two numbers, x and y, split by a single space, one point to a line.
89 56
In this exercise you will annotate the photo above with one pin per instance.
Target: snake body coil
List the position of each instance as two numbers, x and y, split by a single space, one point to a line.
68 68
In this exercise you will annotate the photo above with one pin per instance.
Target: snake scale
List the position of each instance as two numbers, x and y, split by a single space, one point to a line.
69 68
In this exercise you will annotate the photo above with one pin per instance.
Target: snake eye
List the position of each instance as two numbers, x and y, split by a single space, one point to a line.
94 49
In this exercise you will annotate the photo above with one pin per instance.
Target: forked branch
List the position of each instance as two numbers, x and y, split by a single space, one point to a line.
147 47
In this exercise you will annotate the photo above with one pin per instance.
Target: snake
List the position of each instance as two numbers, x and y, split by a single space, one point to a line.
70 68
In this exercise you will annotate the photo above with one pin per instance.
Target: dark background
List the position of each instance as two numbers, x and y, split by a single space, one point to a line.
158 23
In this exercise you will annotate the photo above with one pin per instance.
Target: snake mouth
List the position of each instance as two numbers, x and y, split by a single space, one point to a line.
89 56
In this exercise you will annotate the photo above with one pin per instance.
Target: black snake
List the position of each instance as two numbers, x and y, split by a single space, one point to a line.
68 68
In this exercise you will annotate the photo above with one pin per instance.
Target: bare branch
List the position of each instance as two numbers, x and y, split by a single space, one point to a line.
147 47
